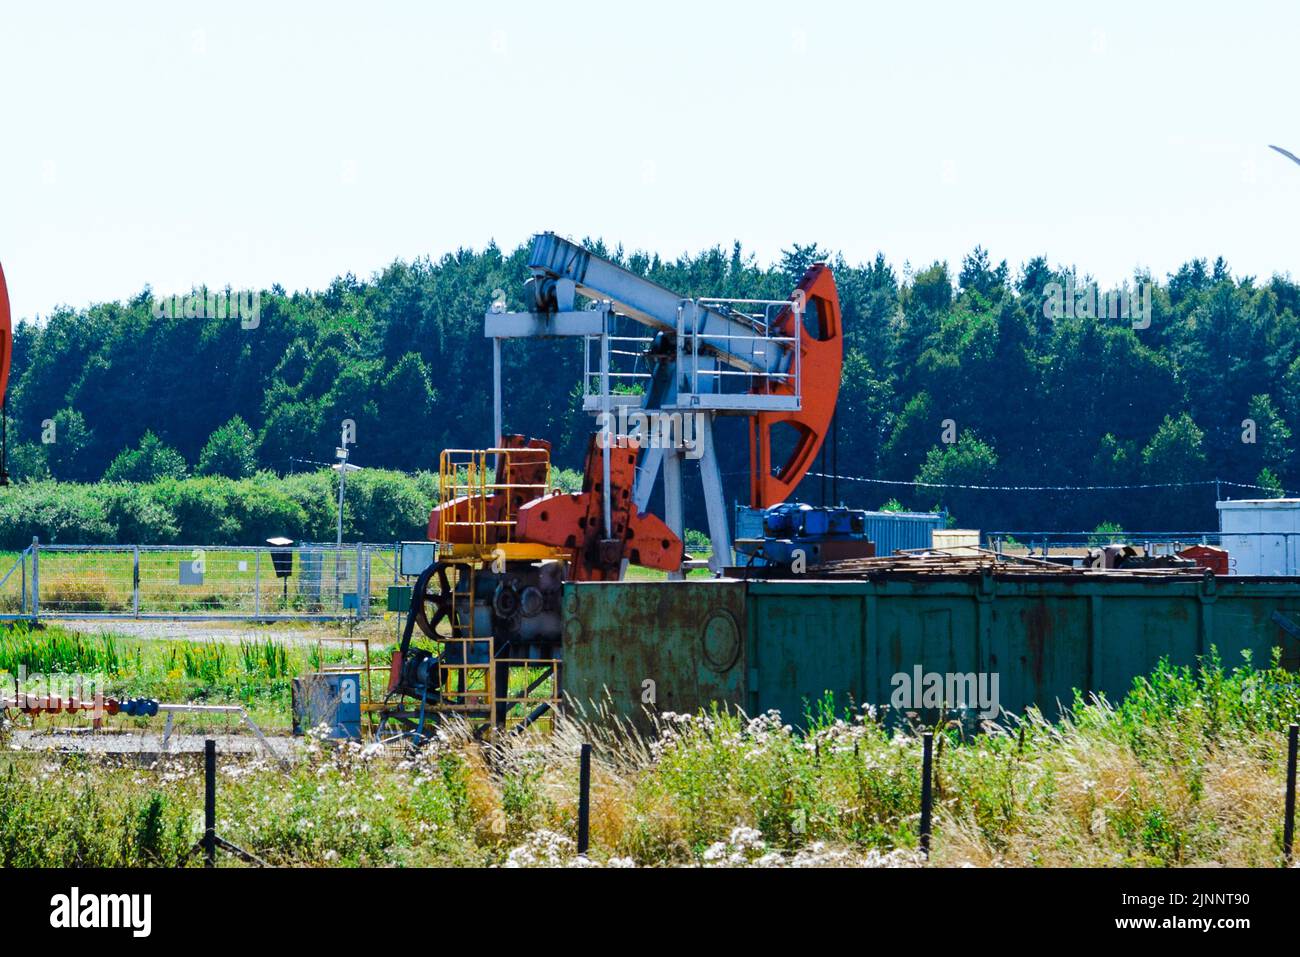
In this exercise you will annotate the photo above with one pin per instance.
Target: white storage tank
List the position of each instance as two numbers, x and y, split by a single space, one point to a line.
1261 535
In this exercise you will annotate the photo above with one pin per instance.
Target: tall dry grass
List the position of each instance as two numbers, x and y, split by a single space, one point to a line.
1186 770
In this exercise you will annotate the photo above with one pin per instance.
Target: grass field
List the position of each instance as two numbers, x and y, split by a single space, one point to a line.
1186 770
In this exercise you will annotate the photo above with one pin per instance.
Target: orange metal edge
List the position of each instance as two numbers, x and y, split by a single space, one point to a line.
821 366
6 335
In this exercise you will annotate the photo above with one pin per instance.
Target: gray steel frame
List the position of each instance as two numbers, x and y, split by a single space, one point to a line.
711 339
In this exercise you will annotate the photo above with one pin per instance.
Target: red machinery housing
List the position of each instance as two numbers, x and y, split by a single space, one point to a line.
573 521
515 514
523 472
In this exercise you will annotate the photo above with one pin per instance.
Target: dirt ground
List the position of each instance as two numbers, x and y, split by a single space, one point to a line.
148 746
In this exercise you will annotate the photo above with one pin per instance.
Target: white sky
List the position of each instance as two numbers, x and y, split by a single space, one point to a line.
253 143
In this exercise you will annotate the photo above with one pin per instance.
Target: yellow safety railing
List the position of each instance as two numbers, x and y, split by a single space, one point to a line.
538 683
480 492
465 478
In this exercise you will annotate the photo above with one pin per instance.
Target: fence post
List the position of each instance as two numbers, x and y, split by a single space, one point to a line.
1288 825
209 803
584 797
927 795
363 581
257 584
135 580
36 578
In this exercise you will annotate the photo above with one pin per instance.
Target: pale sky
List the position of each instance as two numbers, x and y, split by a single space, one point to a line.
245 144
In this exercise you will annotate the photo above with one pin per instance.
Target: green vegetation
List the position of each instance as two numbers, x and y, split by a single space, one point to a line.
1107 533
150 462
215 510
231 451
697 543
255 672
55 651
380 506
1039 390
1186 770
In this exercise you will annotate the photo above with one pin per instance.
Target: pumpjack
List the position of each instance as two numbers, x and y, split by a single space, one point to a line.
486 610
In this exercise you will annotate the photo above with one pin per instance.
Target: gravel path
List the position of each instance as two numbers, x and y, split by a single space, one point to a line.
149 745
223 631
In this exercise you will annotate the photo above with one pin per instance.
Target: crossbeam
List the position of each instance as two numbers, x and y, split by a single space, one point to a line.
735 340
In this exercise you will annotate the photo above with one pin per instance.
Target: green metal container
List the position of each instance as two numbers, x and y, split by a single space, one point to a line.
665 646
760 645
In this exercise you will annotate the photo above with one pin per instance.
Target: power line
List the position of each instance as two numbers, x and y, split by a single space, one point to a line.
1052 488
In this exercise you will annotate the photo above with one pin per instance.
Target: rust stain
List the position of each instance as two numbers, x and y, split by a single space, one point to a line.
1037 621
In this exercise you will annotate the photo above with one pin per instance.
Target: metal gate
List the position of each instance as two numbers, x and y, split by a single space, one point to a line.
302 582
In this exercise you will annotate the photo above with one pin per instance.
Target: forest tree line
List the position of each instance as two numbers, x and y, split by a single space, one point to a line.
966 376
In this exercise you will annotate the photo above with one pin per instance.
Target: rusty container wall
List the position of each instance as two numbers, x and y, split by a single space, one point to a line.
802 640
654 646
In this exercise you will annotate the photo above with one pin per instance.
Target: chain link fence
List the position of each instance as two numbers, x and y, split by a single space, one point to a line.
304 581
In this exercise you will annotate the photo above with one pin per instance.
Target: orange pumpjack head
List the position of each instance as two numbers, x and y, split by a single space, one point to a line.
821 362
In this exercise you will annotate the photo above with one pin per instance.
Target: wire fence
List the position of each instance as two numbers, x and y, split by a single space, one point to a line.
265 583
1044 543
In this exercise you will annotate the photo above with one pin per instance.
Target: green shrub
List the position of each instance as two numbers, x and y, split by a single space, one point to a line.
231 451
150 461
266 510
385 507
206 510
57 512
381 506
138 514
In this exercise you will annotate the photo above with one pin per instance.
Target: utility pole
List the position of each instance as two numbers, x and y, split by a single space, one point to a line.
341 453
343 468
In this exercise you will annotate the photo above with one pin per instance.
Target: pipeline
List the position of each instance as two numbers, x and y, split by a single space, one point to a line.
33 704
